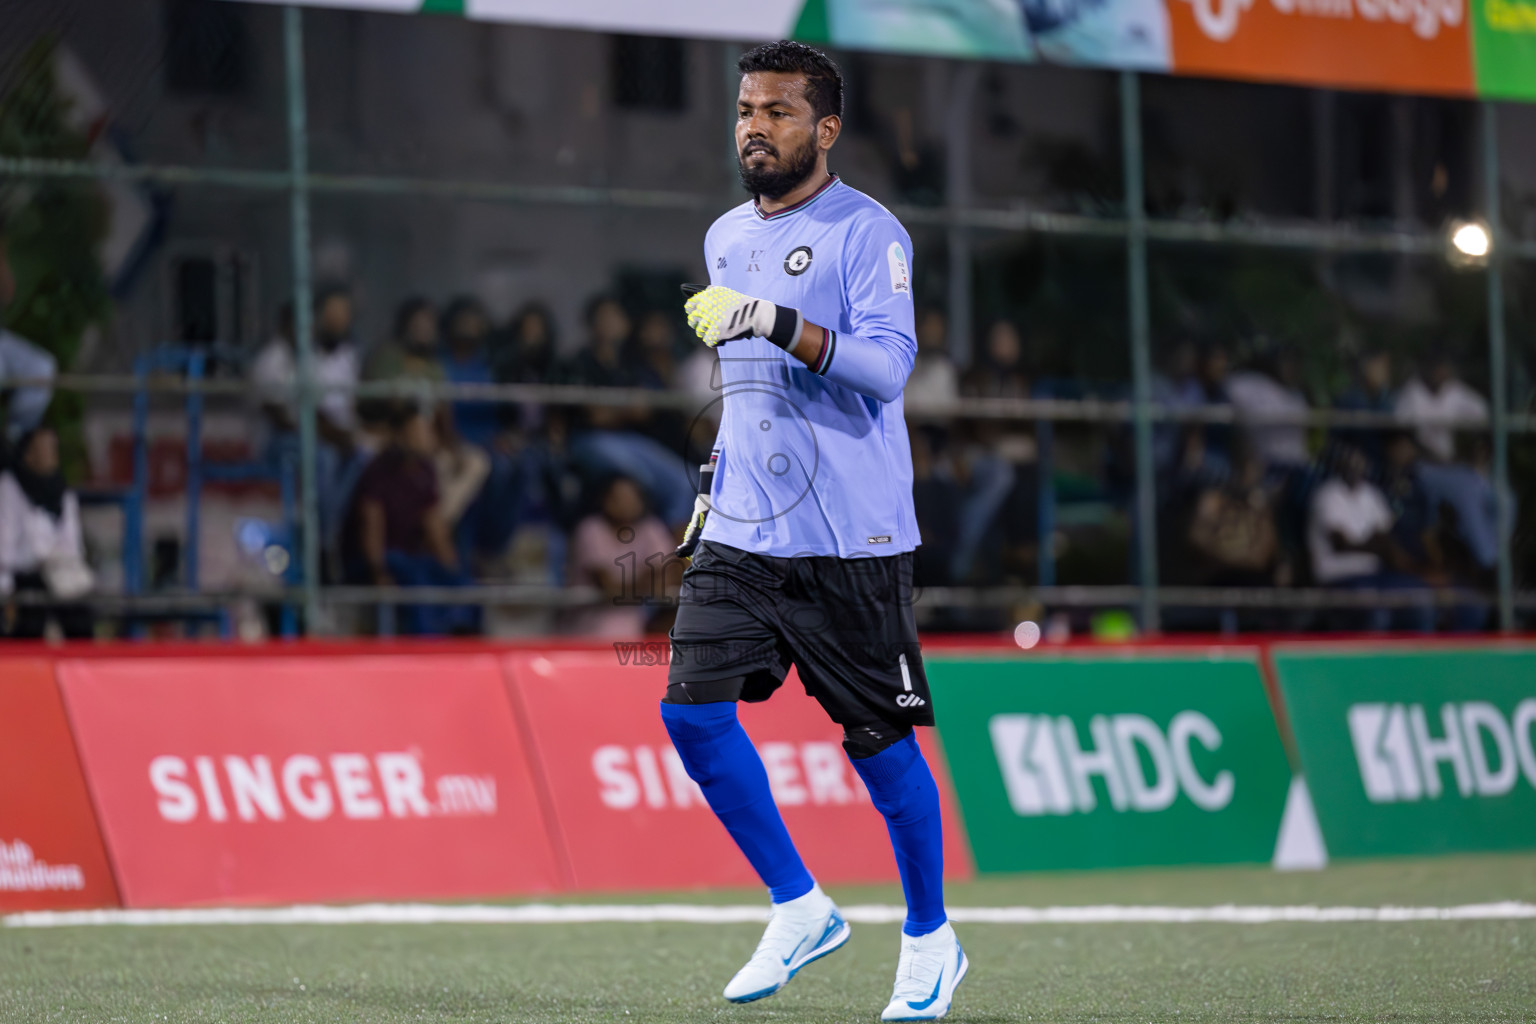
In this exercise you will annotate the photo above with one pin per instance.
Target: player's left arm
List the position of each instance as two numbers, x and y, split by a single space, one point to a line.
874 358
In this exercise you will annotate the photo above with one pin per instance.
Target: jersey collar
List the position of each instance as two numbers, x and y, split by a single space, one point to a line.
802 204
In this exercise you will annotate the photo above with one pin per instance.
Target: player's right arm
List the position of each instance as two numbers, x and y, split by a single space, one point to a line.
875 358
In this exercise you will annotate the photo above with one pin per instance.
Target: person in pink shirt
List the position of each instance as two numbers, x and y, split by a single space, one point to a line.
624 551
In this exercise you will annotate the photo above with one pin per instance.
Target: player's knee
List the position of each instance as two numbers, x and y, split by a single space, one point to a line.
865 741
897 779
698 732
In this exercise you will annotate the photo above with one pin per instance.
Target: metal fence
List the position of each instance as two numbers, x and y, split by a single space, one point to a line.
1135 229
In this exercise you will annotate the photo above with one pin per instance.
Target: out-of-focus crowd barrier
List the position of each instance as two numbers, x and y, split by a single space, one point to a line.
310 772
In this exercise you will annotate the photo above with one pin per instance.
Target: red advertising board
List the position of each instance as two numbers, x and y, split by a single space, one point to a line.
50 850
245 780
629 816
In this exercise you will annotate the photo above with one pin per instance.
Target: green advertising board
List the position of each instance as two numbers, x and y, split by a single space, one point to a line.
1415 752
1067 762
1504 44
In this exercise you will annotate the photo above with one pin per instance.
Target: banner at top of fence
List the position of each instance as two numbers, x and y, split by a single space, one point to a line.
1468 48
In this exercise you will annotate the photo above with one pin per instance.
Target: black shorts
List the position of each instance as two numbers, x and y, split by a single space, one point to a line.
845 623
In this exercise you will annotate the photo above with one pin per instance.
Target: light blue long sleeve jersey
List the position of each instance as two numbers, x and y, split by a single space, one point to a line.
815 460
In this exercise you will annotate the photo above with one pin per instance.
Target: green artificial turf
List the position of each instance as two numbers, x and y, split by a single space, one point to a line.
1427 971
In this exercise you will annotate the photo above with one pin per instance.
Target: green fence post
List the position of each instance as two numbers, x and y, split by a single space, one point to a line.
298 210
1141 345
1497 366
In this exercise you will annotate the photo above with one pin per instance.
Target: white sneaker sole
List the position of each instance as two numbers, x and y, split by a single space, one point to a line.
831 945
965 965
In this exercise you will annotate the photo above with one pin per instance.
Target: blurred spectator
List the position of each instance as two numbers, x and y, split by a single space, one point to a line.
1370 391
411 353
397 534
1433 533
274 374
624 551
1232 534
1002 457
1272 388
41 549
1415 515
999 373
934 380
1177 388
1350 537
527 355
604 438
600 363
936 500
20 360
1436 393
653 353
467 360
653 365
1213 367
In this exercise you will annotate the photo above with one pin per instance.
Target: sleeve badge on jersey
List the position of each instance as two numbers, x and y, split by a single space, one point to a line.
901 276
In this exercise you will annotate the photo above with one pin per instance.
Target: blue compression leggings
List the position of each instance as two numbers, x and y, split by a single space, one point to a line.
718 756
721 759
903 790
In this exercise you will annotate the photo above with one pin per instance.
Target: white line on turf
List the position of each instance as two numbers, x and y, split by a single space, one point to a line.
689 913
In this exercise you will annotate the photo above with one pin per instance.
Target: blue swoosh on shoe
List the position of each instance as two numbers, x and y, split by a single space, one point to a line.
834 923
924 1004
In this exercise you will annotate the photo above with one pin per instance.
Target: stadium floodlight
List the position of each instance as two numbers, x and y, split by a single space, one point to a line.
1470 243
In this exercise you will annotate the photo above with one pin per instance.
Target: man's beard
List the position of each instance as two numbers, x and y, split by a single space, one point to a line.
779 181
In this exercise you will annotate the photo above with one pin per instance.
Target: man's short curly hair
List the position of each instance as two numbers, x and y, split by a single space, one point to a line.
823 80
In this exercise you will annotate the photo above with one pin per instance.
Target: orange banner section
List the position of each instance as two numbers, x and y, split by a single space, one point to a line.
1396 45
51 854
629 816
264 780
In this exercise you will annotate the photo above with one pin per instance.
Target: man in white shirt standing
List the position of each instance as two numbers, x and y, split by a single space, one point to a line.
1428 404
1433 397
339 459
1349 536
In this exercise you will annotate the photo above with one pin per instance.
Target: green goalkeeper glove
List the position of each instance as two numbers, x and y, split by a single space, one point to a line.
719 314
700 513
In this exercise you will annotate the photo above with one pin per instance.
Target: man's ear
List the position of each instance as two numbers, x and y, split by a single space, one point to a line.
827 130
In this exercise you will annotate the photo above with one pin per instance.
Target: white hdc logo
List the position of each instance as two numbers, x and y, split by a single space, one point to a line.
1400 760
1046 770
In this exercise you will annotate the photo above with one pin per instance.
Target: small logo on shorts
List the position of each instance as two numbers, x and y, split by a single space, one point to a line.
907 699
884 538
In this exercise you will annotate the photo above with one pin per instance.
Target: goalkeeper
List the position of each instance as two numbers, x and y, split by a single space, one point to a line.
801 545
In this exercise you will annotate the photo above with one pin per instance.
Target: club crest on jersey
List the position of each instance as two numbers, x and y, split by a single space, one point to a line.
798 261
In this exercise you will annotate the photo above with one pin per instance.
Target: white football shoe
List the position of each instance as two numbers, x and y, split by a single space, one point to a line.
930 968
801 930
